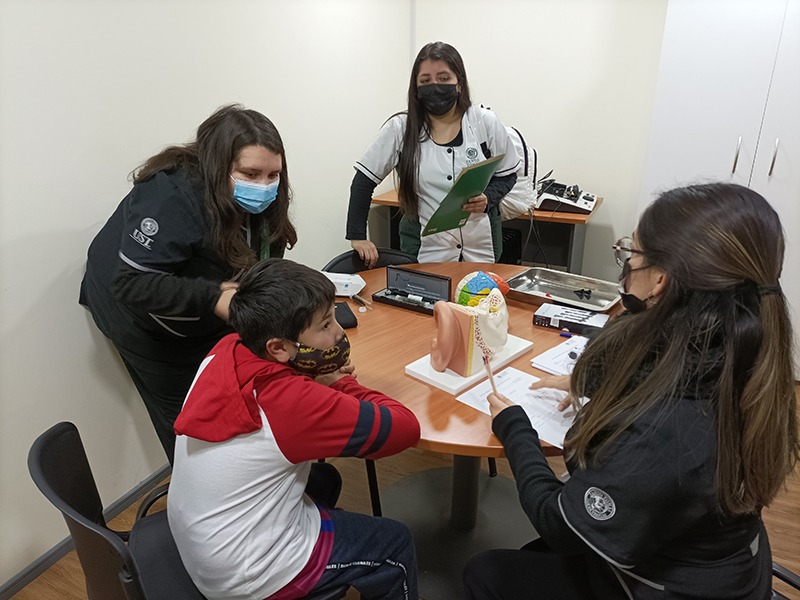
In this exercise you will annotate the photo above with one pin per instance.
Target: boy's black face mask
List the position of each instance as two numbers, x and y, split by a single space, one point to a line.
437 98
315 361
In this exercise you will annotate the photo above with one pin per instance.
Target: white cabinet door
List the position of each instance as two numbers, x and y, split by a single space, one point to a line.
716 63
779 154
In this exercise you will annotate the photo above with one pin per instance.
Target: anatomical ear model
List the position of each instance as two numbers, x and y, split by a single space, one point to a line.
464 334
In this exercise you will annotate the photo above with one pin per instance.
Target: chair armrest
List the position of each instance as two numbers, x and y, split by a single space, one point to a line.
786 575
150 499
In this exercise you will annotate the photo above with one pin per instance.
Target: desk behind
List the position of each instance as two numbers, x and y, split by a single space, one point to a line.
569 226
548 216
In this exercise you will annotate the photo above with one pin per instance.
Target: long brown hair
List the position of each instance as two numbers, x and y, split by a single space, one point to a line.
419 121
721 319
209 158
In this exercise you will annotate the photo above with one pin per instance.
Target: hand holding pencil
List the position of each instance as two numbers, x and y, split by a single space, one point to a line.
497 402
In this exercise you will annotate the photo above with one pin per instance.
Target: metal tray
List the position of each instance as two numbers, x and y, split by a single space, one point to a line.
566 288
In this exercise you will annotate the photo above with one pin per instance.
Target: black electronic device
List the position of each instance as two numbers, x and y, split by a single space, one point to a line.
414 290
345 316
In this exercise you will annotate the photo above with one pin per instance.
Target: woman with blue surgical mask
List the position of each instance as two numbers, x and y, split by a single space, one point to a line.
161 272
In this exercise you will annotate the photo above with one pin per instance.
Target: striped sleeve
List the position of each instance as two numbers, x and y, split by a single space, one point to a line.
383 154
312 421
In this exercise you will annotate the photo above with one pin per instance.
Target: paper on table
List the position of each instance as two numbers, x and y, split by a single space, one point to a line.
561 359
539 405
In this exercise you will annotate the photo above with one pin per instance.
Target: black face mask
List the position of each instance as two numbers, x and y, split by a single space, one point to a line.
632 304
321 361
437 98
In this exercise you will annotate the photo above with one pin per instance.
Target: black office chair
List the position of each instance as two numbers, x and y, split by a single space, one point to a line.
787 576
349 262
148 566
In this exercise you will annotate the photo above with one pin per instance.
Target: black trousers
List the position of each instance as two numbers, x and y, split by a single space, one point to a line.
163 388
532 573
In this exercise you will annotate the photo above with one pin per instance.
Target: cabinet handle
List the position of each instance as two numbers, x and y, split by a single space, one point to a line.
736 156
774 156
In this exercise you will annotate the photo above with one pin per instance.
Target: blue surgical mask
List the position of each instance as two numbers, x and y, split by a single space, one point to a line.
255 198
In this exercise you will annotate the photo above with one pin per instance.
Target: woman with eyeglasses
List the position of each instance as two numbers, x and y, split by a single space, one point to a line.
159 273
429 144
691 427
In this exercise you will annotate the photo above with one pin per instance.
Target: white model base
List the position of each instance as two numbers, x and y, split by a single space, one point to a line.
454 383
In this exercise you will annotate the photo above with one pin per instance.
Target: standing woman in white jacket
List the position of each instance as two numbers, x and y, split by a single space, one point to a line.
429 144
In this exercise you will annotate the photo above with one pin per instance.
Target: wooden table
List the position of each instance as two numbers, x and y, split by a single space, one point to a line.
482 513
572 225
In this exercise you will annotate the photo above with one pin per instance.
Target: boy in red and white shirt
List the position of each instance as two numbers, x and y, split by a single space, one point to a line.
266 403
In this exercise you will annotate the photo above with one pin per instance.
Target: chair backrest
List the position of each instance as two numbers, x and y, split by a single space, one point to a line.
58 465
349 262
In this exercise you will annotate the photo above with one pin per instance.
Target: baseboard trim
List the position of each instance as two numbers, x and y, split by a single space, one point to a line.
48 559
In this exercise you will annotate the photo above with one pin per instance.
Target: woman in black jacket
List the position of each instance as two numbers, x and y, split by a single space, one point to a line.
691 428
160 273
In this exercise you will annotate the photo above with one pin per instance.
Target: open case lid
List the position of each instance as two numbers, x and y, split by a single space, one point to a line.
429 286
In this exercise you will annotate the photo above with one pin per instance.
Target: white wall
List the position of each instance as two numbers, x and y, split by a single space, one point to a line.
89 89
577 78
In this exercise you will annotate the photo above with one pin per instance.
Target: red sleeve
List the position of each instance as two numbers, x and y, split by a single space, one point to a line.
311 421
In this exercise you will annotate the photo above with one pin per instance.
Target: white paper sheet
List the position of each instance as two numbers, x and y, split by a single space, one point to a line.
561 359
539 405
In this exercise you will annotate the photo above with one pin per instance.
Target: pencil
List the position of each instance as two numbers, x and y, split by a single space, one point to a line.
362 301
489 371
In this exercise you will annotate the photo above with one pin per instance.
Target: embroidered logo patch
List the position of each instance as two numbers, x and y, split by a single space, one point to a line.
472 153
599 504
149 226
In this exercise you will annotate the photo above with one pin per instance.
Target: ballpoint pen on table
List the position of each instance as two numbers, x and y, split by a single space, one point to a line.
489 371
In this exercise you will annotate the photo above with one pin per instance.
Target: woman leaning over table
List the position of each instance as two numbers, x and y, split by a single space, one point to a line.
691 428
429 144
158 275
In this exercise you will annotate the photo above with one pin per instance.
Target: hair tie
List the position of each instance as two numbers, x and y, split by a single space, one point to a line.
766 290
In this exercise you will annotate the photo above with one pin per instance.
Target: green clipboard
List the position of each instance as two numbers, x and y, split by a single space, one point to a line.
470 183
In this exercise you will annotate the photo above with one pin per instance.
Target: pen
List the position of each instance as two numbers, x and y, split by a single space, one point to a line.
565 334
489 371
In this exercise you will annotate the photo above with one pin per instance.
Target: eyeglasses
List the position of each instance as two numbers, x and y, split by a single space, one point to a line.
623 250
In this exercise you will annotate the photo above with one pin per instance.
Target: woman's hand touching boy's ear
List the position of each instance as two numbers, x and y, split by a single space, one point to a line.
227 291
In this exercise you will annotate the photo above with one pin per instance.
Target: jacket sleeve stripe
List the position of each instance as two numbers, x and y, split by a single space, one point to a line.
360 435
384 427
137 266
366 171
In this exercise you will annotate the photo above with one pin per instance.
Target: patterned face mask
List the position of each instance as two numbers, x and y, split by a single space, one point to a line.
313 361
